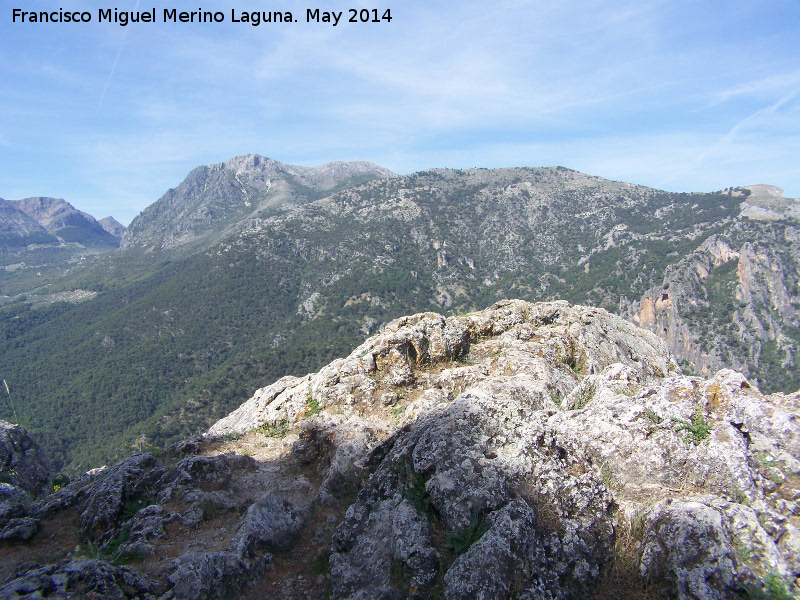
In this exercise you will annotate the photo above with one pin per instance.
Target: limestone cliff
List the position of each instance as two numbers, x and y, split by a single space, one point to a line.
734 302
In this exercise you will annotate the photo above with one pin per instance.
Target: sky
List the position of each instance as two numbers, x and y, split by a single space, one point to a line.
682 95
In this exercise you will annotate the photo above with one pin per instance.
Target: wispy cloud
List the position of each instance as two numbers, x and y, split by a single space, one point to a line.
116 60
764 86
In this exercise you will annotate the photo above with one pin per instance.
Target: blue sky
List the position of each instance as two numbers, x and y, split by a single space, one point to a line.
680 95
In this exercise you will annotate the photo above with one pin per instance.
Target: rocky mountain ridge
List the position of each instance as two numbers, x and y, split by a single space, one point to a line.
63 221
218 199
524 451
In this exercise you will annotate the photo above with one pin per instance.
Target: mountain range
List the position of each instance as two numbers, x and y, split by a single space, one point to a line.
252 269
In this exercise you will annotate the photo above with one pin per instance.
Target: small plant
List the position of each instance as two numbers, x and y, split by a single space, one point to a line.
764 459
90 550
738 496
637 524
312 404
113 548
556 400
398 411
775 477
278 430
461 541
572 357
320 564
415 491
461 355
59 481
743 552
585 395
653 416
696 430
418 495
397 573
607 475
130 508
774 588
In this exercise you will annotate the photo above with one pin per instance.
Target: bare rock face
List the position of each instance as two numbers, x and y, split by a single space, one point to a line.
526 451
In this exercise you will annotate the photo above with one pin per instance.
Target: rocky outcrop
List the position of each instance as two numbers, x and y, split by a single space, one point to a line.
560 423
24 476
23 464
524 451
80 578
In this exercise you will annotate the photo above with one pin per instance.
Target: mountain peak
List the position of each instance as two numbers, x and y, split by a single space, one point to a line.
214 200
112 226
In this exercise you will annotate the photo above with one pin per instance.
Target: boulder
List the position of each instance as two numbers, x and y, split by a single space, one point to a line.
80 578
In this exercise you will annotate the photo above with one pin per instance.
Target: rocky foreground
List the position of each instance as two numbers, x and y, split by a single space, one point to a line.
525 451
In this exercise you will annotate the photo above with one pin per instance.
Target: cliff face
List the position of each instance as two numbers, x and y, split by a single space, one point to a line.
523 451
733 303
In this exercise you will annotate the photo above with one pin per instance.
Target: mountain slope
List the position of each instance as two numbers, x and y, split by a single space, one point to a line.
176 339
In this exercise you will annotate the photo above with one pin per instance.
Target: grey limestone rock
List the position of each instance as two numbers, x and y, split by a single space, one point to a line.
271 523
213 575
13 502
499 455
127 483
19 530
688 548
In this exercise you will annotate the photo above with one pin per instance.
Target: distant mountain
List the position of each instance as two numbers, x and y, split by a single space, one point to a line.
41 239
209 298
219 199
67 223
18 229
112 226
